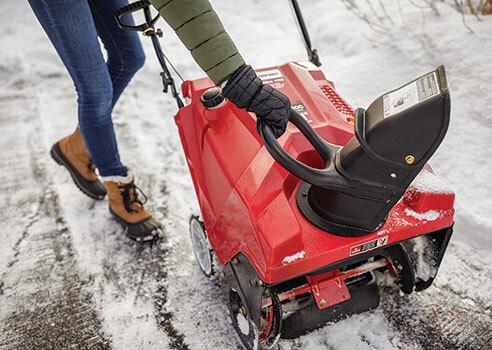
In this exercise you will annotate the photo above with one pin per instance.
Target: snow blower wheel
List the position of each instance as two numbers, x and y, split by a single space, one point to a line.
253 337
201 247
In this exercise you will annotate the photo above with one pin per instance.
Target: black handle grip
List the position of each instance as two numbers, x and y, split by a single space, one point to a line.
309 174
128 10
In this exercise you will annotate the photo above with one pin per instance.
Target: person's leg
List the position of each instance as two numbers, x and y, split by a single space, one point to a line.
125 52
70 27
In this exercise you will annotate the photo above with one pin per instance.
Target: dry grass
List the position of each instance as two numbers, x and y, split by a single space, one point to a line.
376 14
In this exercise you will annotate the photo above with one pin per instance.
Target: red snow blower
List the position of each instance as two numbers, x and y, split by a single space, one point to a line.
298 228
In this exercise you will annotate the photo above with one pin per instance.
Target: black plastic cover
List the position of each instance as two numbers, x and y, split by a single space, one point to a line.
394 138
212 97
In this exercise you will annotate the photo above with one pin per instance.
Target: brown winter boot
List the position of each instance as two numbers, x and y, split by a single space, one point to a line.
129 210
72 153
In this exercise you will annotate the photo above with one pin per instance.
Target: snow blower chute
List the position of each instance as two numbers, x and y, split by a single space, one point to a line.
298 228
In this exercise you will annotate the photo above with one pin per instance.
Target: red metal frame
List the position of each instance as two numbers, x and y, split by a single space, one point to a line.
248 201
330 288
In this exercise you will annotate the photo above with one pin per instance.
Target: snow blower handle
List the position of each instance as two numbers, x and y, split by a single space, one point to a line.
129 10
148 29
301 170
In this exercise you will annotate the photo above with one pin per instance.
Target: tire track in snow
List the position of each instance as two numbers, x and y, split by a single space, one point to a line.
44 300
164 316
154 185
450 314
196 305
443 323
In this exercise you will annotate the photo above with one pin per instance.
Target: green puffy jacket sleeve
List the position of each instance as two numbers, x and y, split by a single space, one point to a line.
201 31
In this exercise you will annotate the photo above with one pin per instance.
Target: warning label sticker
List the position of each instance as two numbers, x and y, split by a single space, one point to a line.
271 74
272 77
410 95
371 245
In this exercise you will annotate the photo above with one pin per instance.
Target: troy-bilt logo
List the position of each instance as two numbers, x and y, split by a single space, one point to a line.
371 245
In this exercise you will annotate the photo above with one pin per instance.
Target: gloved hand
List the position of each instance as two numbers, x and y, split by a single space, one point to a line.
246 90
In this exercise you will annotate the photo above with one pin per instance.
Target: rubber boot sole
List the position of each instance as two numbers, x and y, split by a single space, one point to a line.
144 231
60 159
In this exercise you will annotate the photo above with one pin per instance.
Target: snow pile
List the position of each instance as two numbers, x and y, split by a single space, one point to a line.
292 258
427 181
430 215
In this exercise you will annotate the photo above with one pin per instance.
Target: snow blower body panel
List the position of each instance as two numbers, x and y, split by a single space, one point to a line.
249 201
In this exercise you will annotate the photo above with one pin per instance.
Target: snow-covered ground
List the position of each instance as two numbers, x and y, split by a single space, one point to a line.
69 277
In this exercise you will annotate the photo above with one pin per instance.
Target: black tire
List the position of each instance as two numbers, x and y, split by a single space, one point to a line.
247 330
242 323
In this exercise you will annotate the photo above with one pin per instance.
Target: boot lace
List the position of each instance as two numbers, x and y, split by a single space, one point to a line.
130 198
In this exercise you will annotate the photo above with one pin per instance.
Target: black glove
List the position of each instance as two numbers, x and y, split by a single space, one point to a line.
271 107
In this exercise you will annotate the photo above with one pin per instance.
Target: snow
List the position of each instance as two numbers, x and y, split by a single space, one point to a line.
242 323
130 296
425 268
291 258
427 181
346 334
430 215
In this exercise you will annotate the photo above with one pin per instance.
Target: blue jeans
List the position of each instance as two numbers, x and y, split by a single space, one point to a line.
73 27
